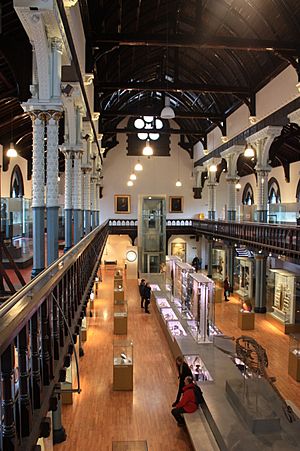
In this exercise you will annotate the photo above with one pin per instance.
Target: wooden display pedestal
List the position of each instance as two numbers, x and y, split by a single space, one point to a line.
119 296
246 320
294 366
120 325
123 377
67 397
118 283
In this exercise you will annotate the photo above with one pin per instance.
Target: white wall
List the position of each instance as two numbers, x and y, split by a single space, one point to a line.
158 178
116 248
6 175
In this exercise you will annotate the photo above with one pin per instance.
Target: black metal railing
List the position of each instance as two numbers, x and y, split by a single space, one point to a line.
35 342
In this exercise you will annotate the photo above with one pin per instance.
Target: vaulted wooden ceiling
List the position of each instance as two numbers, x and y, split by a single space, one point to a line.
207 56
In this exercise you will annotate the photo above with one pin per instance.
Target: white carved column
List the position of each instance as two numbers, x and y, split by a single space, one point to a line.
231 156
87 198
68 198
52 186
77 196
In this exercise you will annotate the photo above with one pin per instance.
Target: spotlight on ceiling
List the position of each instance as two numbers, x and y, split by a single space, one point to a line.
167 112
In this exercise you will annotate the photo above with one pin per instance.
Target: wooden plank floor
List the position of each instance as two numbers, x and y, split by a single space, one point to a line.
99 415
275 342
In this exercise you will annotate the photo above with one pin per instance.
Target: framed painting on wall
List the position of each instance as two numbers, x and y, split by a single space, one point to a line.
122 203
179 249
175 204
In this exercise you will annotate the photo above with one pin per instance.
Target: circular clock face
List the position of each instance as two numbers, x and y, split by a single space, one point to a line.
131 256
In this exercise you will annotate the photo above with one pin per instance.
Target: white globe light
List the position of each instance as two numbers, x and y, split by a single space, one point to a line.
158 124
131 256
154 136
148 118
139 123
143 136
138 167
178 183
147 150
132 176
129 183
238 186
213 168
249 152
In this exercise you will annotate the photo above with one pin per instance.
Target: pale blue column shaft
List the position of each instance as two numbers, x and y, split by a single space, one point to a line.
77 216
260 284
68 200
230 264
52 234
68 229
87 221
38 236
77 198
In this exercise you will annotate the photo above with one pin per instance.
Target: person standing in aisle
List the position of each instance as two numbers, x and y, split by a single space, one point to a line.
183 371
147 296
226 289
142 291
195 263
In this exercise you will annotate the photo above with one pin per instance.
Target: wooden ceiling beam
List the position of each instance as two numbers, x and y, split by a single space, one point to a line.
192 41
174 87
156 113
170 131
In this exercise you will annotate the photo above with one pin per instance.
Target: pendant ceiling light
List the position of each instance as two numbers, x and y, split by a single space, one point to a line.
129 183
11 152
249 151
213 168
132 176
167 112
147 150
178 183
138 166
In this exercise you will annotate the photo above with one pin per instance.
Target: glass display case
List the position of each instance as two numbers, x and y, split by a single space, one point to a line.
199 370
168 314
181 286
118 284
176 329
245 289
218 264
284 296
119 296
154 287
202 324
294 357
170 270
162 303
182 309
123 365
120 319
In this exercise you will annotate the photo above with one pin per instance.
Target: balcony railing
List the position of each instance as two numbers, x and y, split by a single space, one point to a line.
36 329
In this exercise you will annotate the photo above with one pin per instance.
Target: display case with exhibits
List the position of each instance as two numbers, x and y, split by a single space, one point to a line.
294 357
154 287
162 303
284 296
176 329
202 308
199 370
118 295
120 319
123 365
118 275
182 309
245 290
118 284
218 264
170 268
181 287
168 314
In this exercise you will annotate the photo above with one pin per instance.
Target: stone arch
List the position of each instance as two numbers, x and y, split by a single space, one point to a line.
274 196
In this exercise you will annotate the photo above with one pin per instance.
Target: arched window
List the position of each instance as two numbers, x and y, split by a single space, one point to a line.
248 198
274 196
16 183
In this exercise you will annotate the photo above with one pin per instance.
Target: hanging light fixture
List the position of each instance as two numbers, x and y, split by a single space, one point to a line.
178 183
147 150
11 152
238 186
213 168
132 176
129 183
167 112
138 167
249 151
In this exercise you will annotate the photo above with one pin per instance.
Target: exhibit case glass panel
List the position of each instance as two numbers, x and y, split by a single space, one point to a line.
170 270
218 264
245 289
199 370
154 287
294 357
162 303
181 287
176 329
123 352
202 308
294 345
123 365
182 309
168 314
118 274
284 296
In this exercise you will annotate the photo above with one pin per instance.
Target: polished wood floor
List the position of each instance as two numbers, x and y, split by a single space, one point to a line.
275 342
100 415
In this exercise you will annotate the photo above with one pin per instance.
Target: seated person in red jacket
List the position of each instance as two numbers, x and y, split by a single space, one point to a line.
187 404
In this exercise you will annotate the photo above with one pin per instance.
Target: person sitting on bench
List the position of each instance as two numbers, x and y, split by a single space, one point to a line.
188 403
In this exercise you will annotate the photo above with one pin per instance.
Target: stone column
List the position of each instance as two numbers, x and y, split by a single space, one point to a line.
231 156
229 251
231 212
77 197
209 258
87 199
52 186
38 192
93 208
68 200
211 200
98 203
262 193
260 283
